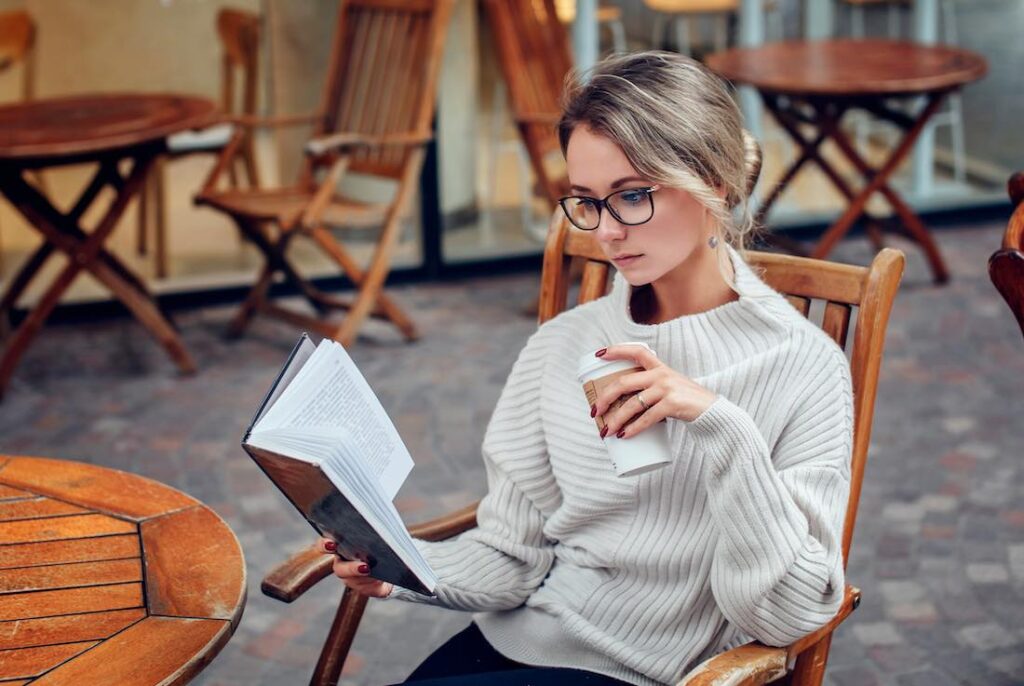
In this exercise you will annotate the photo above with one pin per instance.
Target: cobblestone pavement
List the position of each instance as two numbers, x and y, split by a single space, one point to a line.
939 548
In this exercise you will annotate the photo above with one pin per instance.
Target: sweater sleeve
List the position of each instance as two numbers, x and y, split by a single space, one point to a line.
777 571
497 565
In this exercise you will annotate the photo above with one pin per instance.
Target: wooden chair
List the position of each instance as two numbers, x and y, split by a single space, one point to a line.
1006 266
18 46
533 51
375 118
239 35
849 293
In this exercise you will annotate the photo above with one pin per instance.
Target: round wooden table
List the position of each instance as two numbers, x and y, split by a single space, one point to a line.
809 85
110 578
106 130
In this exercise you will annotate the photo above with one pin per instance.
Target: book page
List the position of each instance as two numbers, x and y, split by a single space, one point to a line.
331 392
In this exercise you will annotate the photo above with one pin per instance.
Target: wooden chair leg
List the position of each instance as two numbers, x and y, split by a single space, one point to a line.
159 177
372 285
810 665
257 296
388 307
339 640
142 224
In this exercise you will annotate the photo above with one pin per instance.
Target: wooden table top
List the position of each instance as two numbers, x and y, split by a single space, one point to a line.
849 68
79 125
110 578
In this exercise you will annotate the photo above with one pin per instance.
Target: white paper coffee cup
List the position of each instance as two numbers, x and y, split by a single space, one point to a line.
644 452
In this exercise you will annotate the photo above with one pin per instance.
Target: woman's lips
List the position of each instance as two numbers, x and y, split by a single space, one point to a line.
625 260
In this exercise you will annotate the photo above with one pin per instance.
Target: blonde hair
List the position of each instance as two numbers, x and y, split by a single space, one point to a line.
678 126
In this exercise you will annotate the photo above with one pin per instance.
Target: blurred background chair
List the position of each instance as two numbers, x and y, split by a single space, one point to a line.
18 48
239 35
534 56
608 17
686 16
375 120
1006 266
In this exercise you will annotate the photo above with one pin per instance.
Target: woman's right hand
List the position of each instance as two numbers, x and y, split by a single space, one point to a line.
355 574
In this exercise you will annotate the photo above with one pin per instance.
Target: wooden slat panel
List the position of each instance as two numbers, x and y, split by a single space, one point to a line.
8 493
70 575
194 566
72 550
57 528
16 682
803 305
92 626
157 650
595 281
99 488
31 508
836 322
29 662
70 601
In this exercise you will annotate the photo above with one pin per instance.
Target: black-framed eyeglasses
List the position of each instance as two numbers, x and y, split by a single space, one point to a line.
630 206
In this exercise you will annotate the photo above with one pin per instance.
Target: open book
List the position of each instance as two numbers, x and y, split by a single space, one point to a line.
323 438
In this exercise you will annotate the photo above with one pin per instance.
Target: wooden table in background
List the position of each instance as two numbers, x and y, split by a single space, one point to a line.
111 131
110 578
809 85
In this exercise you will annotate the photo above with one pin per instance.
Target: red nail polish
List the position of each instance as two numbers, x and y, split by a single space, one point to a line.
593 411
622 432
601 352
364 569
330 546
604 432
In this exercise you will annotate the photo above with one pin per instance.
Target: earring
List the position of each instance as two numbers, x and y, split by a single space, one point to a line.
713 242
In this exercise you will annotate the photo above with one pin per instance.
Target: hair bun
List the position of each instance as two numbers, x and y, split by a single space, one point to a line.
752 159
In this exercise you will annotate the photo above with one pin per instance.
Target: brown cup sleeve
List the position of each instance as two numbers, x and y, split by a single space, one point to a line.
594 387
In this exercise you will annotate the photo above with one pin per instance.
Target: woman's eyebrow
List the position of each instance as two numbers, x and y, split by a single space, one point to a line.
613 185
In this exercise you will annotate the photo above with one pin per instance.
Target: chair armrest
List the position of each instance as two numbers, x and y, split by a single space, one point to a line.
339 142
297 574
304 569
754 664
449 525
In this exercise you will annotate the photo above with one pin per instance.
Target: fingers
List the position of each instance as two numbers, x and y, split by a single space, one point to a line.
623 385
327 545
356 575
644 357
624 428
631 417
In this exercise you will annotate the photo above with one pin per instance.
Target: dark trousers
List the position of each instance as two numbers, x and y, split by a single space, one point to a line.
467 659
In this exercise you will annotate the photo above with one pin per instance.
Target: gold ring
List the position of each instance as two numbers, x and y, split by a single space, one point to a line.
642 403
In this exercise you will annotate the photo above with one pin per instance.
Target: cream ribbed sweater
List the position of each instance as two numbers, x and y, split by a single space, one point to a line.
641 578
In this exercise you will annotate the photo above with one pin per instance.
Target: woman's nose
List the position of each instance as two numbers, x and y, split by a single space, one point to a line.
609 229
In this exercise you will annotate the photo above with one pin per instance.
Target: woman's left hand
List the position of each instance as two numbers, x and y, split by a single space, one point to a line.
665 392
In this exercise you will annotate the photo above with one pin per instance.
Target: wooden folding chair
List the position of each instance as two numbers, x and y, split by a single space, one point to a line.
375 119
533 51
1006 266
239 34
849 293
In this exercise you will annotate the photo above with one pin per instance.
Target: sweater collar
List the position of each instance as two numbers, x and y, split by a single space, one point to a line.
705 342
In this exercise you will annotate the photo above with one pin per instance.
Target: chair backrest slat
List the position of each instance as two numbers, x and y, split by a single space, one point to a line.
18 46
239 34
870 290
383 74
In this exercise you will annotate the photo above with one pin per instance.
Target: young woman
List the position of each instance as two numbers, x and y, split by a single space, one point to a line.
577 575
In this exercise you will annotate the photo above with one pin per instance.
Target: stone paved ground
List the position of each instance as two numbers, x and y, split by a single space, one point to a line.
939 549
